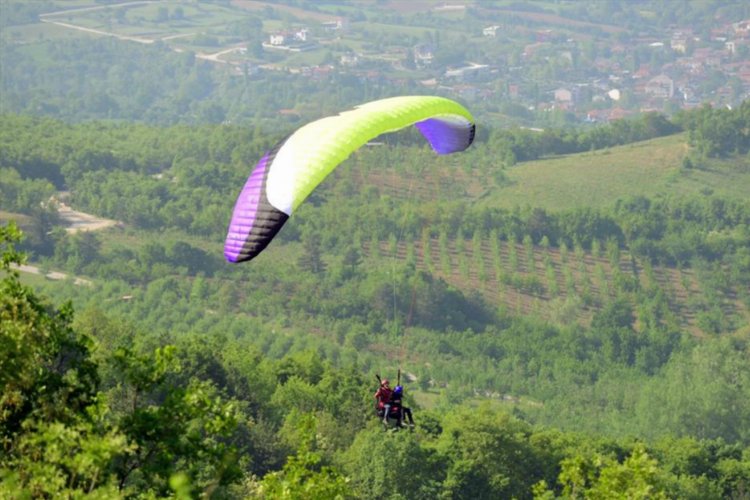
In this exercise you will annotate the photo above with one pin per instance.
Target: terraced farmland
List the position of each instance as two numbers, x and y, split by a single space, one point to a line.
555 285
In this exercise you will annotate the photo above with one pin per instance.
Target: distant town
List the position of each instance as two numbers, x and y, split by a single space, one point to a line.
682 72
537 65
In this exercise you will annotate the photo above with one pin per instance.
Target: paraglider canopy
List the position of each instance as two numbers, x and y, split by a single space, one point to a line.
287 174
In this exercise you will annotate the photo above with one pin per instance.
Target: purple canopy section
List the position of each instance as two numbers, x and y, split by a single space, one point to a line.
254 220
447 137
245 212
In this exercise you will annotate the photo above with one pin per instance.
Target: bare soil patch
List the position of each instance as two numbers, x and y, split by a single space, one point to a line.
80 221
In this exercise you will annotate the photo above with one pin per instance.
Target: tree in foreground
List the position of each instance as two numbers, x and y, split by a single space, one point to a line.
60 436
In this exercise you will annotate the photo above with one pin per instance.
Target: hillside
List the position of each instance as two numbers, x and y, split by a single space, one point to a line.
559 283
556 284
87 411
650 168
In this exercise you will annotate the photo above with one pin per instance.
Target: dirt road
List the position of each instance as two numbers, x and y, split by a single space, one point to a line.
79 221
52 275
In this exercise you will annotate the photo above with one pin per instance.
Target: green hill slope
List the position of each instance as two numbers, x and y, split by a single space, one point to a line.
545 281
598 178
652 168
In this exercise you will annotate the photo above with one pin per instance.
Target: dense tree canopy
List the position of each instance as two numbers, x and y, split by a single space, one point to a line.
136 423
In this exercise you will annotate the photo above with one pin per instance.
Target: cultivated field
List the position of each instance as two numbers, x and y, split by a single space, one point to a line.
561 287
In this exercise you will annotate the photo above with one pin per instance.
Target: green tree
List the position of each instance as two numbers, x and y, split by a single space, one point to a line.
166 418
311 259
304 475
489 455
54 438
702 393
45 370
394 466
601 476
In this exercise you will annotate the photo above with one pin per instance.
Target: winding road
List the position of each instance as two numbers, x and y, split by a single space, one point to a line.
52 275
75 222
80 221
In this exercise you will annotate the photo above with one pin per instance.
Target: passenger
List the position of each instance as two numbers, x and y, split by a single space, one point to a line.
383 396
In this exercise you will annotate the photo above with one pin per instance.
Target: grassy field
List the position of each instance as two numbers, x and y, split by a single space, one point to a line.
594 179
133 20
288 10
598 178
35 33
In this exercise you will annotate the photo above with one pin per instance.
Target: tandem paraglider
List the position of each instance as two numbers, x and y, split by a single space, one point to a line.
389 405
291 170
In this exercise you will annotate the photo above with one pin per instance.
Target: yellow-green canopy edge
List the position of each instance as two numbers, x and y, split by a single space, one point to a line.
314 150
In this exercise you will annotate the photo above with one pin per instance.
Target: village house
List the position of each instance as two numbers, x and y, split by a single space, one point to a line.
295 41
543 35
607 115
691 65
335 25
350 59
466 91
530 49
688 95
679 44
490 31
446 7
289 113
708 57
742 29
660 87
318 72
644 71
567 55
278 39
423 55
563 95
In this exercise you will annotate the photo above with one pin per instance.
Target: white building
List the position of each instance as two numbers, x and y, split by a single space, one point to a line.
660 86
490 31
278 39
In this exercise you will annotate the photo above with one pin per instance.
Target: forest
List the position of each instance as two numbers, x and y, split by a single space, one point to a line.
92 406
174 374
